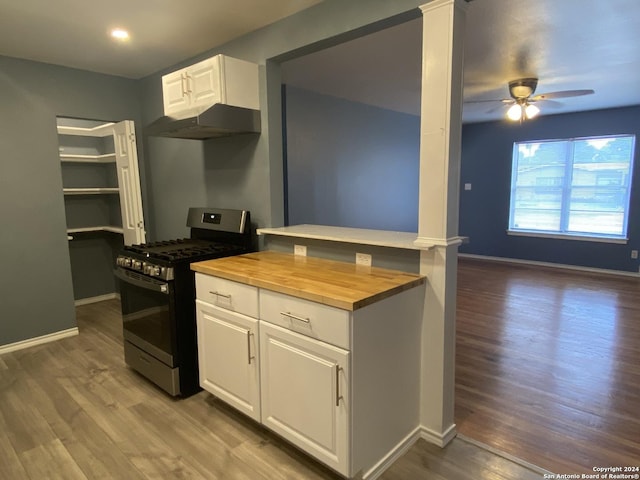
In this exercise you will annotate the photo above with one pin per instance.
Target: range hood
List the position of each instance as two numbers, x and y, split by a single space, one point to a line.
218 120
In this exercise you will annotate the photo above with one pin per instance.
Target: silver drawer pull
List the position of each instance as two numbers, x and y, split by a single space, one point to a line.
218 294
251 357
295 317
338 396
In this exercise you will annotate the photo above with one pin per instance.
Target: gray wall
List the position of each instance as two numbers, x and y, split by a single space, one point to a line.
350 164
382 257
247 171
36 288
36 294
487 150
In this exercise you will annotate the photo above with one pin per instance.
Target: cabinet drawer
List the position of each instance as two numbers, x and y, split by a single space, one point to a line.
227 294
325 323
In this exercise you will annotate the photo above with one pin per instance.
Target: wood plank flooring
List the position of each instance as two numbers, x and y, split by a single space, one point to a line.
548 364
71 409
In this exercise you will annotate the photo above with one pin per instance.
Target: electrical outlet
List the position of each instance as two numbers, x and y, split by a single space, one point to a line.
300 250
467 186
634 254
363 259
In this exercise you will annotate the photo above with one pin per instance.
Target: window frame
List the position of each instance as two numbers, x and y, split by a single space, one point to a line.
567 188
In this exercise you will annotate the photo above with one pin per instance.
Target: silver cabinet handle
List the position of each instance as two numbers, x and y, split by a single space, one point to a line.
250 357
295 317
218 294
183 82
338 396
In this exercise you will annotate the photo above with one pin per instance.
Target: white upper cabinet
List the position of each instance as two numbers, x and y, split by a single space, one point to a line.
218 79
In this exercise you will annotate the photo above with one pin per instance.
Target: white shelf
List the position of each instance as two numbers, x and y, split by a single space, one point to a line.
82 158
91 191
97 131
382 238
100 228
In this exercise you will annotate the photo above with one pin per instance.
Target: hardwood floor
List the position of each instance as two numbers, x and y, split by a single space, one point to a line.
548 364
71 409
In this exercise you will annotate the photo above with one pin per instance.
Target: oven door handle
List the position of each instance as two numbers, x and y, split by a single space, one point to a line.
147 283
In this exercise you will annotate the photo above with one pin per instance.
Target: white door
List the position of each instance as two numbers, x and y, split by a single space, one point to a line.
228 357
305 393
124 138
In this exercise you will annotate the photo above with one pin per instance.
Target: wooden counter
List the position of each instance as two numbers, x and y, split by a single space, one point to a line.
338 284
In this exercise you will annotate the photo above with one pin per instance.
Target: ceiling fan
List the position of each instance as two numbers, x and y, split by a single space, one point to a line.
523 101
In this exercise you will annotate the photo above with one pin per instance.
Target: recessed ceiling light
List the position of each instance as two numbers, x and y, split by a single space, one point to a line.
119 34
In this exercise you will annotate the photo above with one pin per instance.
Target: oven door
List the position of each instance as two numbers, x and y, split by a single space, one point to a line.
147 313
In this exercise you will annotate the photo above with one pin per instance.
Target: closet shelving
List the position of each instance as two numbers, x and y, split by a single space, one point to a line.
100 178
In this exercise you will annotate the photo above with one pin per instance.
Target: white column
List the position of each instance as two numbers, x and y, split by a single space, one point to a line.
440 145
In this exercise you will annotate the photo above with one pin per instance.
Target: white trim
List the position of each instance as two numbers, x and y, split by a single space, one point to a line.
362 236
427 243
32 342
394 454
437 438
579 268
99 298
566 236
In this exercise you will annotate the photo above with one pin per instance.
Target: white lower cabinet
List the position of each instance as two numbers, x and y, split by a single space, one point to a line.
341 385
305 393
228 358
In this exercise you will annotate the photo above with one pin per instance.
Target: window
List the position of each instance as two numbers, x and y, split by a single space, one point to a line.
576 187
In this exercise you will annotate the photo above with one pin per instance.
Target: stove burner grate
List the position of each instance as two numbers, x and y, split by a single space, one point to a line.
180 249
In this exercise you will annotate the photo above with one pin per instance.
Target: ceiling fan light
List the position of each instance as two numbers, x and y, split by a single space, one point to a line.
515 112
521 91
531 111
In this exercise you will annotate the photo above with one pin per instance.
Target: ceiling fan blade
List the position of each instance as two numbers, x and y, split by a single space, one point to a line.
547 103
500 107
561 94
503 100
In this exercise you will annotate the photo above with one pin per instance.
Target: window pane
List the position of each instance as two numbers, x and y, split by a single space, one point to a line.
576 186
537 208
596 223
600 177
536 201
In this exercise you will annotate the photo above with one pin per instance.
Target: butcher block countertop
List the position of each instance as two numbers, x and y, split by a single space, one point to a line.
338 284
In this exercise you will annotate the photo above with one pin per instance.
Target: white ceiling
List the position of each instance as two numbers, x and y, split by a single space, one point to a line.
567 44
75 33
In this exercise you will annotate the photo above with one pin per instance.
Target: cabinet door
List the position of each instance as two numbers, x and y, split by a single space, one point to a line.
129 183
228 357
204 83
305 393
175 95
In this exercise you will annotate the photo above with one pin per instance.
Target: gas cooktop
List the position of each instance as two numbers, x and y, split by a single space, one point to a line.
214 233
180 249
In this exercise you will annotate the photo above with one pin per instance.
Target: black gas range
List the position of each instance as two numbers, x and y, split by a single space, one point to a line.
157 292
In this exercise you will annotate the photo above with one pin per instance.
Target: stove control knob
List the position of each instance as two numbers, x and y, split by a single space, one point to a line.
126 262
150 269
136 264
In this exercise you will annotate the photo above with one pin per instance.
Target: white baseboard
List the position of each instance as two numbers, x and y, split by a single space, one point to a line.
99 298
440 439
32 342
579 268
396 452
